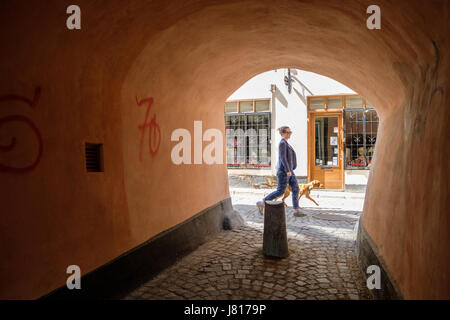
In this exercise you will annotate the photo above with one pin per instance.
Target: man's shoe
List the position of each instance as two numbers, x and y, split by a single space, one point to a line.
298 213
260 205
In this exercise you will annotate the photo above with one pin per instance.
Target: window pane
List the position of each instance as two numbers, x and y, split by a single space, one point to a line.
326 144
354 102
231 107
258 138
246 106
334 103
262 106
264 140
354 144
317 103
371 134
252 140
234 128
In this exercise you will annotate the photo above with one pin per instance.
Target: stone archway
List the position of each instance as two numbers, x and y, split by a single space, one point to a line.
188 57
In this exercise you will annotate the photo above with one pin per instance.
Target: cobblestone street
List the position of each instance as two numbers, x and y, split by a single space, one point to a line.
321 264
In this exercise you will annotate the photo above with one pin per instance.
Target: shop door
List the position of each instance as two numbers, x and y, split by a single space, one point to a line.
325 149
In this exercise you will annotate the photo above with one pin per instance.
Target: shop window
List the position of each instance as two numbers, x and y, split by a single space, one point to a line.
246 106
317 103
231 107
361 126
262 106
248 140
353 102
335 103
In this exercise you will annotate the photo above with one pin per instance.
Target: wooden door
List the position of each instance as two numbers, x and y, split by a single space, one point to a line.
325 149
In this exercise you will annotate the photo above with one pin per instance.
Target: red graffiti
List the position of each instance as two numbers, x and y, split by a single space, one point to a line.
32 103
154 135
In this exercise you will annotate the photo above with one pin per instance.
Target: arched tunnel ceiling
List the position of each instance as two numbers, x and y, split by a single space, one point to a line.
213 51
221 45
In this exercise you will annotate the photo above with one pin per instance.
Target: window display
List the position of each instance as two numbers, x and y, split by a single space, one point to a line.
248 140
361 126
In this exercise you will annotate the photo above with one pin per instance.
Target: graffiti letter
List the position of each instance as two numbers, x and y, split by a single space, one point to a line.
32 103
373 282
73 21
184 145
374 21
154 138
74 281
216 146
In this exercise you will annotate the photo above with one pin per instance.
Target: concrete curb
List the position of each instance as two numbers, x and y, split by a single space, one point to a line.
315 193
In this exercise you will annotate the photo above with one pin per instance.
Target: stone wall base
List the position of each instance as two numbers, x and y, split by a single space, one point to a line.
137 266
368 254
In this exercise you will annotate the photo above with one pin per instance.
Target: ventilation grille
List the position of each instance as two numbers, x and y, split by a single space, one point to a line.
94 161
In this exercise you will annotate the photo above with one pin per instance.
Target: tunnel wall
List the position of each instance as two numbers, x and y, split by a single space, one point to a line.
67 84
95 84
406 212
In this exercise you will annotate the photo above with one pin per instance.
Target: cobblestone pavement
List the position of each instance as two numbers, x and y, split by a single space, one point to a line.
321 263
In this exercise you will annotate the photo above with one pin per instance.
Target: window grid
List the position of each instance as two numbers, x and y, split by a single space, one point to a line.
361 126
244 132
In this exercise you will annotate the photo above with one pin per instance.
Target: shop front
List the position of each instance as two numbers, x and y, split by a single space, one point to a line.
342 131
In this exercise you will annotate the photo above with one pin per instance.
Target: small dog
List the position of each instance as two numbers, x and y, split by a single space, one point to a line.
305 189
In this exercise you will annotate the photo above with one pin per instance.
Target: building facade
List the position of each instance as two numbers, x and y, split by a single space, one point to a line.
334 128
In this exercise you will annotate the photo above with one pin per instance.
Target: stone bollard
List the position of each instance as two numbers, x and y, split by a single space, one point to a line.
275 235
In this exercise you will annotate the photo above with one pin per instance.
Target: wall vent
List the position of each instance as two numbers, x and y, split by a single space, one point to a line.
94 157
